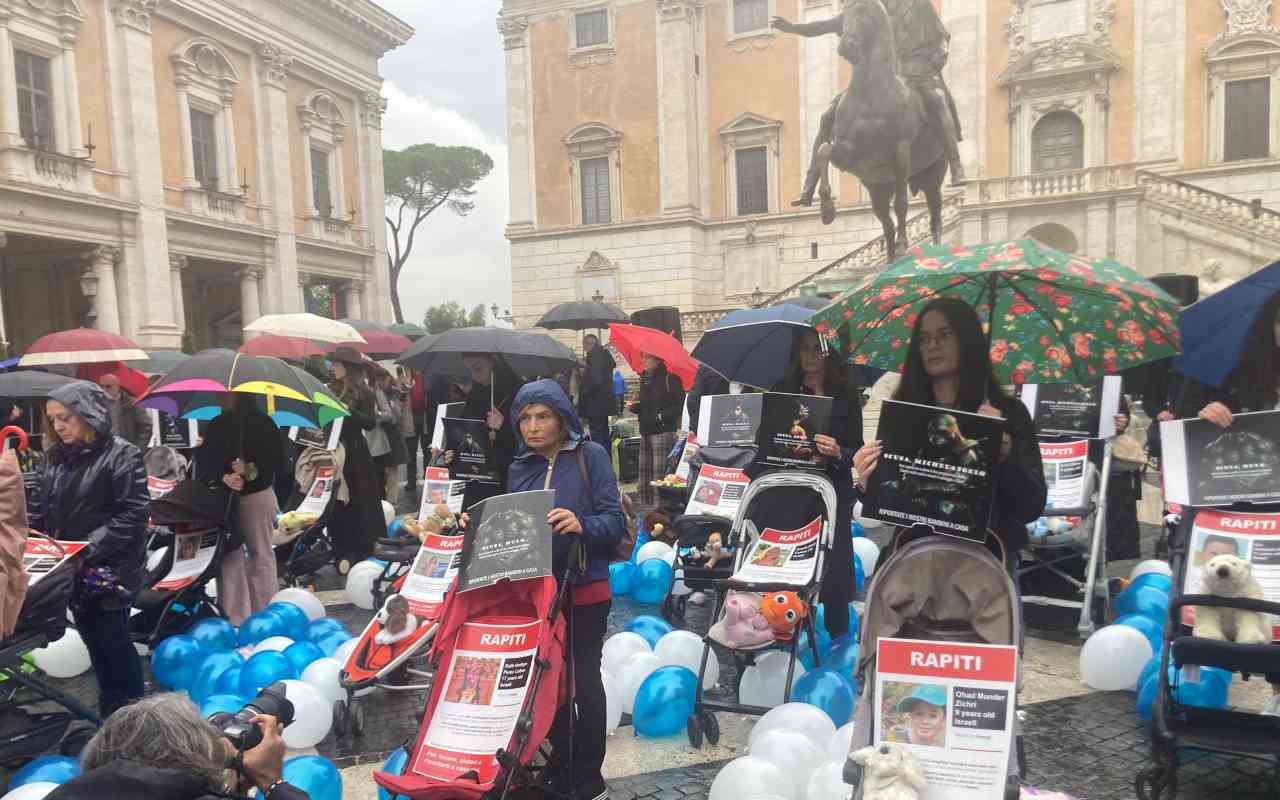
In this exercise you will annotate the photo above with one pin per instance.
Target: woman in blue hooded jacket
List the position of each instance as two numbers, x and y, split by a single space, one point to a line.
551 453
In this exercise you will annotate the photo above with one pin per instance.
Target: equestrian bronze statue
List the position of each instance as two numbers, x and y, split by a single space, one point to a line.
895 127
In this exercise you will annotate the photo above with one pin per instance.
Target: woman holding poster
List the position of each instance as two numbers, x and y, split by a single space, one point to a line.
815 371
948 365
358 522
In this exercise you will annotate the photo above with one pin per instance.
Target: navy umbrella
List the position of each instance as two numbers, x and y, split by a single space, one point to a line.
1213 330
753 345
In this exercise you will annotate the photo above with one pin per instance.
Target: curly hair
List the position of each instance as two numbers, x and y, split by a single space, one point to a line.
163 731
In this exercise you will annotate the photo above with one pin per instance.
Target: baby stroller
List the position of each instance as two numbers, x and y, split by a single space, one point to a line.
934 588
301 539
694 531
1176 727
194 523
776 507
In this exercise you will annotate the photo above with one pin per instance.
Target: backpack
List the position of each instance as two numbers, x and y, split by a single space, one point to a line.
627 544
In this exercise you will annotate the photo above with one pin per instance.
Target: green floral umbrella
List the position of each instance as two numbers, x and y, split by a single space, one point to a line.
1050 317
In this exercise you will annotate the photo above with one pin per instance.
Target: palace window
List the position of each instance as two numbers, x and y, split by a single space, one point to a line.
1247 119
750 144
750 16
322 130
752 165
592 27
595 178
35 99
595 190
321 195
204 147
1057 143
205 84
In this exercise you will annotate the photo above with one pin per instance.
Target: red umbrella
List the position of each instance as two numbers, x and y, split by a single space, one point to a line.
636 341
80 346
133 381
378 341
294 348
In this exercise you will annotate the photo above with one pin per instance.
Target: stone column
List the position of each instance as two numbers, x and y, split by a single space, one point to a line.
351 298
250 307
304 284
178 265
75 142
101 271
678 128
4 337
309 174
146 257
9 131
184 126
520 172
275 179
229 146
337 179
377 295
225 178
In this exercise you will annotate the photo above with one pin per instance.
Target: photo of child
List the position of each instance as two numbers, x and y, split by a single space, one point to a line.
473 680
914 713
432 566
188 546
318 489
709 492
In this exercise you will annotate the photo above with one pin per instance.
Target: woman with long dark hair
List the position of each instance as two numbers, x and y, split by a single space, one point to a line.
359 522
948 365
817 372
493 388
658 403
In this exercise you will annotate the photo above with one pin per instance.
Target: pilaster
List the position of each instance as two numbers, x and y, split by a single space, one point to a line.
378 299
276 176
250 302
678 128
521 176
178 265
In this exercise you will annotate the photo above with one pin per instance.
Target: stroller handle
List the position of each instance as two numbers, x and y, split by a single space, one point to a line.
1215 601
14 430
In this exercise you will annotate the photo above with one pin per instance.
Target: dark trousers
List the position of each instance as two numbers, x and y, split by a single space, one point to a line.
599 430
837 584
411 473
589 734
115 663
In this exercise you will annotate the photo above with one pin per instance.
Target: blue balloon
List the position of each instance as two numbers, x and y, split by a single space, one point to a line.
51 769
859 574
1145 600
228 681
1148 627
295 619
856 529
1209 692
653 581
853 621
263 669
330 644
315 775
214 634
323 627
642 538
220 703
622 576
211 669
843 658
828 690
1162 582
1147 696
806 652
394 765
393 530
175 660
301 654
262 625
650 627
664 702
1151 669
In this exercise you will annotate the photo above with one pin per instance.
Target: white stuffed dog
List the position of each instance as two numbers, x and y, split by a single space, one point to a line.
889 772
1231 576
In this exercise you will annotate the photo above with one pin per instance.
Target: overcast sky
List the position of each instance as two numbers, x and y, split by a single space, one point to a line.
446 87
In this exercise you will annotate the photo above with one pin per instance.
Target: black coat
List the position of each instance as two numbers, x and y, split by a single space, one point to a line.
249 435
659 402
595 397
1196 395
97 493
129 780
1021 491
477 406
358 523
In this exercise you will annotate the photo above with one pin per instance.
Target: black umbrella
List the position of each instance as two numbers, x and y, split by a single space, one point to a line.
527 353
582 314
30 384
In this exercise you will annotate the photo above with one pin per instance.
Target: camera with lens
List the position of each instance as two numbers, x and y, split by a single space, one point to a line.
238 728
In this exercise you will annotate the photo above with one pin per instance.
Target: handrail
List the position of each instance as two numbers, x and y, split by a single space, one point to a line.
1255 208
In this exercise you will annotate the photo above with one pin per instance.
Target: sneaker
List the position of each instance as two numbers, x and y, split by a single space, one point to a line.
592 789
1272 708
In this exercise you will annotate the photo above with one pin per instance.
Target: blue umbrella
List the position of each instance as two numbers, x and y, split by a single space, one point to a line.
1213 330
753 346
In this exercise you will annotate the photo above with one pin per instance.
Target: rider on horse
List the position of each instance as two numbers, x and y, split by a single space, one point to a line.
922 42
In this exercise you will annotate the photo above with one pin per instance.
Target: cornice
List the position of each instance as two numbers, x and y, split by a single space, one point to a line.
361 16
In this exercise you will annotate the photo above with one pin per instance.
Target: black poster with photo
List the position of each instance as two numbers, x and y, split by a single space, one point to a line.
1069 409
788 423
509 538
473 453
175 432
729 420
1205 465
936 468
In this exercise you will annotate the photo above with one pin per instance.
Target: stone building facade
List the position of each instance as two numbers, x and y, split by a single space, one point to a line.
656 144
180 167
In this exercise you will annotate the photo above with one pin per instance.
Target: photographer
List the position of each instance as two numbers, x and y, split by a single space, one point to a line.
160 749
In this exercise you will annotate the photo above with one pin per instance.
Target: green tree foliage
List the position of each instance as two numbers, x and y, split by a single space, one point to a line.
450 314
420 179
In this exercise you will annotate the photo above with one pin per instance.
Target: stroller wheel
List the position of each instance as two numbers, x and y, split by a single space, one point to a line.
711 727
357 718
341 719
694 727
343 565
1156 783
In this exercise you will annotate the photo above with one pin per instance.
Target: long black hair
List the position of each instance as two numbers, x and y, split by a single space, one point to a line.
835 375
1257 376
977 377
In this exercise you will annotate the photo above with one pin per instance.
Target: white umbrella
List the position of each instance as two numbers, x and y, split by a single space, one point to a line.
305 326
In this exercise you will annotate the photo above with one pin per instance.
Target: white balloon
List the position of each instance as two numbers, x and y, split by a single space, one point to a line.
793 753
802 718
841 743
323 674
867 522
670 558
748 776
868 551
639 667
679 588
764 684
684 649
211 589
618 650
308 602
360 584
827 783
654 549
31 791
156 556
1150 566
1113 658
273 643
312 715
388 514
343 654
612 702
65 658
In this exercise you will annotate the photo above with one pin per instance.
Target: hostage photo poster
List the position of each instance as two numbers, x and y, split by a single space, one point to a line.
325 438
192 555
42 556
433 573
729 420
439 490
168 431
935 468
782 556
718 491
1252 537
473 453
444 410
509 539
1205 465
1071 409
1066 473
952 706
788 423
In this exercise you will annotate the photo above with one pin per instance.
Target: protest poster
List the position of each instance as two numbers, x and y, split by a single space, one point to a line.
952 706
782 556
935 469
1066 467
433 573
509 539
1072 409
321 491
1252 537
175 432
473 452
443 410
192 555
325 438
1205 465
485 690
788 423
729 420
691 448
718 491
439 490
42 556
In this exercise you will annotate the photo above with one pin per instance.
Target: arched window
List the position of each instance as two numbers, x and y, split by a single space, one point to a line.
1057 143
1051 234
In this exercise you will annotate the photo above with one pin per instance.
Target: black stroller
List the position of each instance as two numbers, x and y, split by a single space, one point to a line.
1176 727
301 553
691 565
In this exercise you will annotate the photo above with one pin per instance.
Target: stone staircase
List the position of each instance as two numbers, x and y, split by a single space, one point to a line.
1249 218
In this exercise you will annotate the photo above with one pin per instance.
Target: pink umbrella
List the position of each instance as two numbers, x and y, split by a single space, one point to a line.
294 348
80 346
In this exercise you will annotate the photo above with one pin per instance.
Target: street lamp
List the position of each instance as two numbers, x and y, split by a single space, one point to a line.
757 298
598 297
507 318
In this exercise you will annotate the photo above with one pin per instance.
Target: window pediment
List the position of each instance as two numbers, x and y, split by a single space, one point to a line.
1257 44
747 124
202 59
1060 58
592 139
320 109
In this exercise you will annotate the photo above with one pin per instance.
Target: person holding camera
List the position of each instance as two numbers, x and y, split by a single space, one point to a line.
160 749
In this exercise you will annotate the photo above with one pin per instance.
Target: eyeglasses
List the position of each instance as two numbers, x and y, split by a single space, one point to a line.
942 337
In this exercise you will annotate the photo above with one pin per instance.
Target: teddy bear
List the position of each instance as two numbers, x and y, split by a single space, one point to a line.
659 528
1231 576
742 626
397 623
889 772
290 525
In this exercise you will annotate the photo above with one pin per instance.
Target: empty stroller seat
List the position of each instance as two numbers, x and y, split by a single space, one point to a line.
396 549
